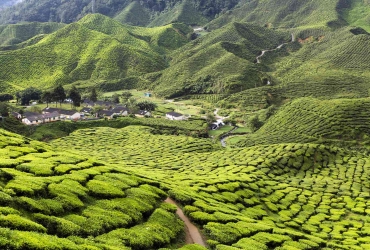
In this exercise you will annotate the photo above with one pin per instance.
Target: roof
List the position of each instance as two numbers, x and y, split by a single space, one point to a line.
50 110
106 112
67 112
175 114
141 112
29 114
51 115
119 109
86 110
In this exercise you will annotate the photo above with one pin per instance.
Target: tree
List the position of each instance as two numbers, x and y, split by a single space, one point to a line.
4 109
147 105
131 105
97 109
126 96
75 96
253 123
47 97
18 96
35 109
59 95
115 98
29 94
210 117
93 95
6 97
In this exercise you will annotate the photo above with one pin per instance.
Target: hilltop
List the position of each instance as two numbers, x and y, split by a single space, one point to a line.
95 48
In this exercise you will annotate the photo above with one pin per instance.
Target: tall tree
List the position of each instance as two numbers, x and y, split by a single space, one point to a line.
75 96
125 96
59 95
115 98
132 105
147 105
29 94
93 95
4 109
47 97
6 97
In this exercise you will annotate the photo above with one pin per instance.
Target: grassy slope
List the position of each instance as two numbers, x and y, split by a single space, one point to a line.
184 12
48 196
94 48
289 196
17 33
221 62
283 14
358 14
134 14
311 120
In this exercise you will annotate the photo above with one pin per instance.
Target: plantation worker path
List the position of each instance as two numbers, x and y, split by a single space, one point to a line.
278 47
192 232
221 119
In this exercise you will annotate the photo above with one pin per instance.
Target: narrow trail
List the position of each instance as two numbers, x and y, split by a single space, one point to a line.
221 119
228 134
192 233
278 47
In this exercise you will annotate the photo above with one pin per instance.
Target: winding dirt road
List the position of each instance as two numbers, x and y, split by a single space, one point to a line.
278 47
192 233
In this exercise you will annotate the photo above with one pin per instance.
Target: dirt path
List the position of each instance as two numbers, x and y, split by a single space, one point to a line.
278 47
192 232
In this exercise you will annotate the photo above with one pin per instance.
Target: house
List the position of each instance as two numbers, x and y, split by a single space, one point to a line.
50 110
148 94
69 114
216 125
142 113
120 110
107 114
51 117
86 110
16 115
88 103
175 116
32 118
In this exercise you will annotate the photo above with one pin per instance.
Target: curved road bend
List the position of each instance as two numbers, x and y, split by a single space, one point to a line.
278 47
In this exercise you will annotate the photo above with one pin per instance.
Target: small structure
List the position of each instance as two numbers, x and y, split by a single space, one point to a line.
142 113
69 114
216 125
175 116
16 115
109 114
120 110
86 110
148 94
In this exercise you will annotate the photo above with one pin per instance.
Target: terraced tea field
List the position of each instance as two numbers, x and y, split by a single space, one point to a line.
284 196
342 122
55 200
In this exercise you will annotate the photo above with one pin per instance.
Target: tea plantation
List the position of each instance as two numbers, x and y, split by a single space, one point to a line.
282 196
53 200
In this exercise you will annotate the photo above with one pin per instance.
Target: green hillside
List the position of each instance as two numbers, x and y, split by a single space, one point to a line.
56 200
337 121
184 12
220 62
17 33
285 196
357 14
284 14
134 14
93 49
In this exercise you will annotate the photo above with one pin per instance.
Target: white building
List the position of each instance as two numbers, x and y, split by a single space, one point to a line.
175 116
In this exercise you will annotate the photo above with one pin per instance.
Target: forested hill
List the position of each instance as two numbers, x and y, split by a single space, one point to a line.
73 10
